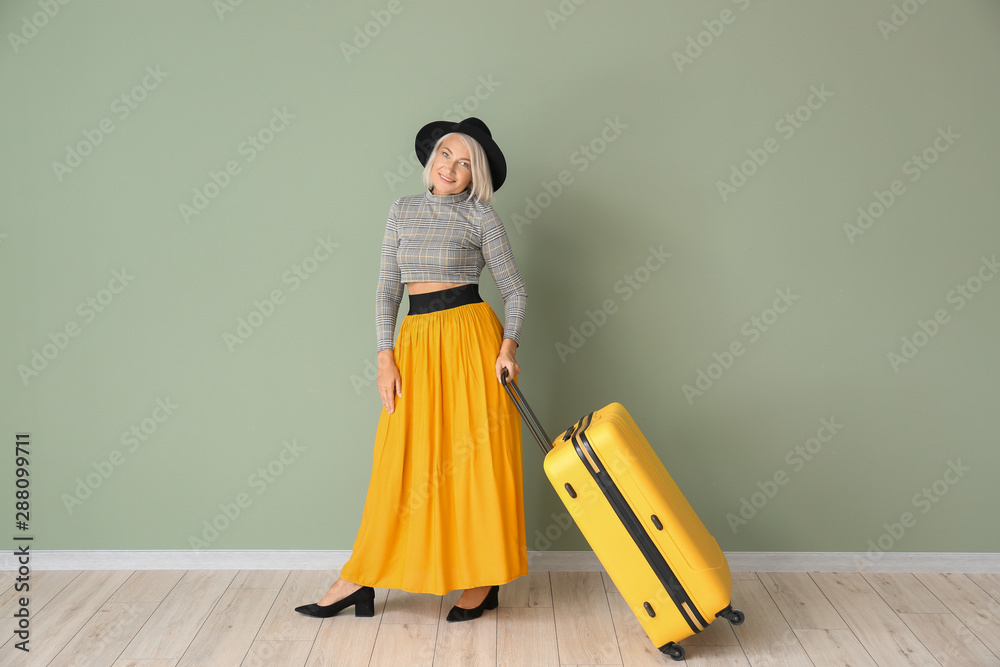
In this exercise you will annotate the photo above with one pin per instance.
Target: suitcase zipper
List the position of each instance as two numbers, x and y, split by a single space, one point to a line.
685 605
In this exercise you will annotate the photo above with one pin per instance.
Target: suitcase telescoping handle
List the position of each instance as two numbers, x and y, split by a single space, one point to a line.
529 417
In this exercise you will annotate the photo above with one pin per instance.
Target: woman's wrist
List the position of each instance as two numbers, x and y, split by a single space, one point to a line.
509 346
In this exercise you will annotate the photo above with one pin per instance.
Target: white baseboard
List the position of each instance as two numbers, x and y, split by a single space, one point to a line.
577 561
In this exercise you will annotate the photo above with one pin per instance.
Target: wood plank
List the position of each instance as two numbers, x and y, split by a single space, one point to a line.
969 603
405 608
468 643
301 587
106 634
145 663
410 644
743 575
833 647
278 654
765 636
526 637
148 586
63 616
800 601
230 629
262 579
989 582
43 586
711 656
585 632
877 627
346 640
950 640
180 616
904 593
533 590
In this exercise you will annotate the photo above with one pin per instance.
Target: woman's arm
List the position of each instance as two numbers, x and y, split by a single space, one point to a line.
499 257
388 296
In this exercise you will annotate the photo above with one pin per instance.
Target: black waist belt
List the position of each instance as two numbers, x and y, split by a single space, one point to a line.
431 302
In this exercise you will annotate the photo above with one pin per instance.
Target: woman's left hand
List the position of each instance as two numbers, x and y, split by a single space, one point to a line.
506 360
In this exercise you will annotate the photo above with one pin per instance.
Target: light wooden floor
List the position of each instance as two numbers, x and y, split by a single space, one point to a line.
220 618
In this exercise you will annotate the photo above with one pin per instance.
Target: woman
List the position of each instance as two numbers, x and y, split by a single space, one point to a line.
445 508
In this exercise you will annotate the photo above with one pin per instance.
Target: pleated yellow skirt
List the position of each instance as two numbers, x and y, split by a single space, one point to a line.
445 505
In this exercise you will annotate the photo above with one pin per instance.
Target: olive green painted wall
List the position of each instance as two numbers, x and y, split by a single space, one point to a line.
683 201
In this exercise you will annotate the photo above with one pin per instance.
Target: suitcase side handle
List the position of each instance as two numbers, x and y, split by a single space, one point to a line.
526 413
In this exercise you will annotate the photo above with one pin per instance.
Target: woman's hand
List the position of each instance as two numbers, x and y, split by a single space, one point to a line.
506 360
389 384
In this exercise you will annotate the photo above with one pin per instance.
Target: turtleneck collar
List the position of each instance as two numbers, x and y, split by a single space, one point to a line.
446 199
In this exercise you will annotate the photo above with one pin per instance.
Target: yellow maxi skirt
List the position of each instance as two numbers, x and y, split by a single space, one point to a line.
445 505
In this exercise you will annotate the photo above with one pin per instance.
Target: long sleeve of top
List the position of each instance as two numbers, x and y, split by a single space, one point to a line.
445 238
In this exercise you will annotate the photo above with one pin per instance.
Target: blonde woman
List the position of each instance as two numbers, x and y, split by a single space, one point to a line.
445 508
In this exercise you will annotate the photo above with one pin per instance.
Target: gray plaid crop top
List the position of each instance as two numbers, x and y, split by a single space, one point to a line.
448 239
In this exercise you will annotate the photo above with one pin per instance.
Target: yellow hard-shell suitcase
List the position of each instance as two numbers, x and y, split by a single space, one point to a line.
662 559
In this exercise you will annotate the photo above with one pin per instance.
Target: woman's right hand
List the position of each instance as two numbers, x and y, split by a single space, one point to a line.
389 384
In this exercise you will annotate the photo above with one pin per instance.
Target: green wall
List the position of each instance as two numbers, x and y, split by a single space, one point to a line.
171 168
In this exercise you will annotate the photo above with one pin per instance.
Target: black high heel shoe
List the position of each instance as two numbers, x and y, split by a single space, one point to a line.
461 614
363 600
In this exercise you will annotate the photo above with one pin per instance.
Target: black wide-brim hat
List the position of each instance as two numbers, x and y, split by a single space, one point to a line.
473 127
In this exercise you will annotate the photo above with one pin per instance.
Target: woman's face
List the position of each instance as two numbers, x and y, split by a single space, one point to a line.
452 170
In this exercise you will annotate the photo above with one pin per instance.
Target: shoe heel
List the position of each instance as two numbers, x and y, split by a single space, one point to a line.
366 606
492 598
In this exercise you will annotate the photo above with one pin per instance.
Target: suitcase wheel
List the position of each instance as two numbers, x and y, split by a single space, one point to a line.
675 651
736 617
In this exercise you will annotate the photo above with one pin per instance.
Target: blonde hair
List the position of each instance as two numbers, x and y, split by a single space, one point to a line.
482 183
